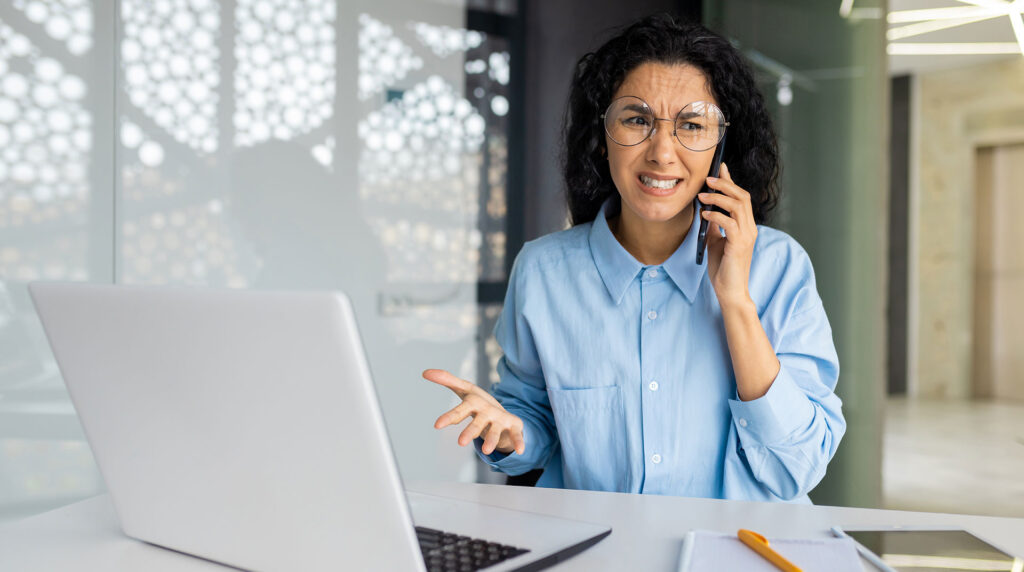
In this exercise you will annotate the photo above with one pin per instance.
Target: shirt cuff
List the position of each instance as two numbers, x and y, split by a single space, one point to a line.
773 417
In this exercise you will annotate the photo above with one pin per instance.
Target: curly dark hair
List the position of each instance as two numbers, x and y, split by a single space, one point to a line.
751 148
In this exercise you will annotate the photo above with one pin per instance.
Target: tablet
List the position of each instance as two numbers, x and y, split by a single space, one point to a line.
922 549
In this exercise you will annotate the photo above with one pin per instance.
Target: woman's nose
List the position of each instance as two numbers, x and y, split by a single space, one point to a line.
661 147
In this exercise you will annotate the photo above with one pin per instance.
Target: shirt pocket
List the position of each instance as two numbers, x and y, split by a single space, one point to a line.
592 433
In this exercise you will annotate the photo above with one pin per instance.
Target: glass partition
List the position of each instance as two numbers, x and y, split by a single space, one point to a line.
56 223
360 146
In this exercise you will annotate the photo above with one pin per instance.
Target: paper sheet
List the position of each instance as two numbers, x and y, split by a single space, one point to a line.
705 550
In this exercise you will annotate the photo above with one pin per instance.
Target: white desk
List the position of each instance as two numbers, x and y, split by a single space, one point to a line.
647 530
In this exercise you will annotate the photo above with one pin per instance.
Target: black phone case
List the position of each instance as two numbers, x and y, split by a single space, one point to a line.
702 236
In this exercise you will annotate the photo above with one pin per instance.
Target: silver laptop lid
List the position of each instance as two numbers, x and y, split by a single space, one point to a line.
222 419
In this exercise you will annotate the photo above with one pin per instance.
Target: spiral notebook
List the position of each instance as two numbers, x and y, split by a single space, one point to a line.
704 550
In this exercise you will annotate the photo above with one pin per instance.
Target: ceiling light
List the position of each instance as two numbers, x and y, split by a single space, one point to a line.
949 49
784 93
985 2
919 28
906 16
1018 24
924 21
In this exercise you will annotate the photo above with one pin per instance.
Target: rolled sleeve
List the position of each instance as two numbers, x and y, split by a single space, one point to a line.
532 406
775 416
788 436
521 389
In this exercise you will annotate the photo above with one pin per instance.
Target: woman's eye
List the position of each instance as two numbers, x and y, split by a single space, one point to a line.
636 121
690 126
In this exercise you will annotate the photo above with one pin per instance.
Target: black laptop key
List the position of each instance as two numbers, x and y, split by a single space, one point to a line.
446 552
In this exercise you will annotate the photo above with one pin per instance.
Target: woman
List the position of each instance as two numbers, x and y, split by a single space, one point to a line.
627 366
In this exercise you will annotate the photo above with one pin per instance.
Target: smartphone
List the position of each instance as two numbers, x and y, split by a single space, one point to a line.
702 235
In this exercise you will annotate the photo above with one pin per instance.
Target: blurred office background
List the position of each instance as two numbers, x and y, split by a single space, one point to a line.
403 150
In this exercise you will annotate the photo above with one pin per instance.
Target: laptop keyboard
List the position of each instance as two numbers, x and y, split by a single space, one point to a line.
444 551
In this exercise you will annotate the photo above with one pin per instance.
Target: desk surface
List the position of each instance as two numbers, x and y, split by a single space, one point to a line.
647 530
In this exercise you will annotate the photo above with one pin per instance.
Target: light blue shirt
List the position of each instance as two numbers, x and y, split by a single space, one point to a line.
622 375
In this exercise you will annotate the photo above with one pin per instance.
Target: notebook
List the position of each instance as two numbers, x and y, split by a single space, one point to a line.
704 550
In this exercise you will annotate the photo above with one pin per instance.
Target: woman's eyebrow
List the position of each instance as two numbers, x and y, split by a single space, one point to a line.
638 108
644 109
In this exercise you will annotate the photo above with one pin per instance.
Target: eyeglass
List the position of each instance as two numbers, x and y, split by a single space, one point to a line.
698 126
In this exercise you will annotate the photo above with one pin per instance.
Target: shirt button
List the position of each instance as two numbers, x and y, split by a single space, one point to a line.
743 422
653 386
652 315
652 273
655 458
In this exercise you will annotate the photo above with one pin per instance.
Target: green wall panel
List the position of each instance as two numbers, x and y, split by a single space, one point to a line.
834 137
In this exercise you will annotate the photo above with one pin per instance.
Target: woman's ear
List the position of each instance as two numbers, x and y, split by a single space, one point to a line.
604 151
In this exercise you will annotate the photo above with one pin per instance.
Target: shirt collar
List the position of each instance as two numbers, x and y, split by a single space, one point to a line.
618 268
682 266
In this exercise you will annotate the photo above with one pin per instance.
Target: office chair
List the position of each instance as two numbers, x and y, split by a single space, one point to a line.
527 479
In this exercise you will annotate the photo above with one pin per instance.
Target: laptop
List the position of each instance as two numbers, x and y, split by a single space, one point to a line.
243 427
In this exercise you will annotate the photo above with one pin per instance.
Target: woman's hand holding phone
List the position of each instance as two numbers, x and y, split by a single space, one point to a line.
729 257
501 431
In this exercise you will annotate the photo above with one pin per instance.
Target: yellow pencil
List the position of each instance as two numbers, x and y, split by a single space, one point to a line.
760 545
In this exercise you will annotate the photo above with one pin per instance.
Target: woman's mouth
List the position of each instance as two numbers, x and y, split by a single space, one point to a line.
657 186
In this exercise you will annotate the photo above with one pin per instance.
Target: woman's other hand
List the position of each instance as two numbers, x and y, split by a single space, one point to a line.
501 431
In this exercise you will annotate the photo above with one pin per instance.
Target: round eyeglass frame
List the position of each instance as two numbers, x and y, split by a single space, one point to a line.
604 121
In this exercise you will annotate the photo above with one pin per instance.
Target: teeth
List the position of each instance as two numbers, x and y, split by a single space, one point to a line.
657 184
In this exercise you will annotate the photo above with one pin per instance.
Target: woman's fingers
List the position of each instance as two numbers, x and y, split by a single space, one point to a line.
733 199
489 418
725 184
491 440
725 175
453 416
727 203
504 433
460 386
732 228
473 430
728 194
498 428
517 441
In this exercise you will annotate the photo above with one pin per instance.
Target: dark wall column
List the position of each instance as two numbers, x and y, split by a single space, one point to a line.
899 216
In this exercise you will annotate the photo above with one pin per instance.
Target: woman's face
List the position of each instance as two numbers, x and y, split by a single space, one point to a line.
666 89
